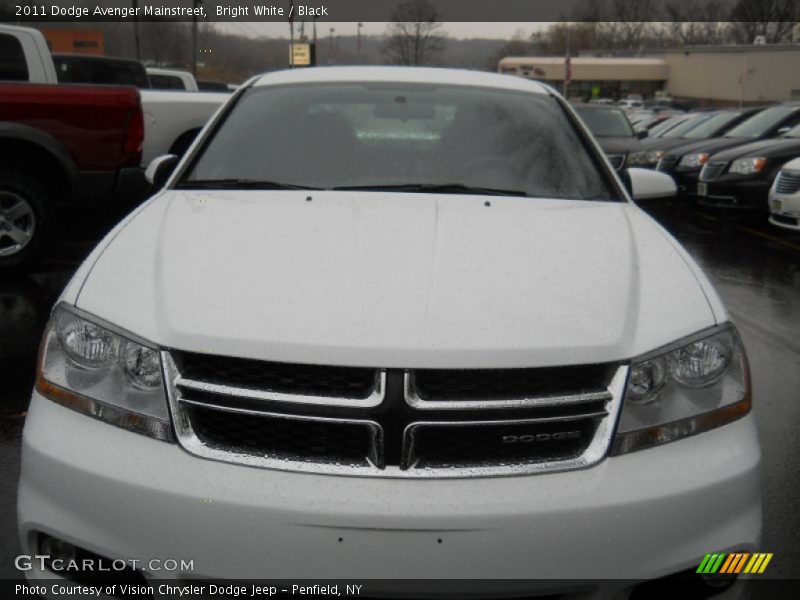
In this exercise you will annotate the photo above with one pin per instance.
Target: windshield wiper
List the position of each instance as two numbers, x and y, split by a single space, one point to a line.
240 184
434 188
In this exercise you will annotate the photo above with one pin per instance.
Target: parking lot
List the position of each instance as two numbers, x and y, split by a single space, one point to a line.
754 266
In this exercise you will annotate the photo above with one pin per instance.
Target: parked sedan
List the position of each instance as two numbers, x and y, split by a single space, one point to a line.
392 321
613 131
741 176
784 197
714 125
684 162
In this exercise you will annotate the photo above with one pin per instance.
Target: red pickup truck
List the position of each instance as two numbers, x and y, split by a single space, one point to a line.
63 147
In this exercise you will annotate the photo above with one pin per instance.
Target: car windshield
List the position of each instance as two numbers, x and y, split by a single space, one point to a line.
683 128
711 126
402 136
605 122
664 126
761 123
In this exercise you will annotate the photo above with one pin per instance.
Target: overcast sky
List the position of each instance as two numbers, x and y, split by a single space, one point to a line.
457 30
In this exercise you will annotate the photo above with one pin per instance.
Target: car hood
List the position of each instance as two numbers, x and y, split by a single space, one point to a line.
775 147
664 143
618 145
396 280
709 146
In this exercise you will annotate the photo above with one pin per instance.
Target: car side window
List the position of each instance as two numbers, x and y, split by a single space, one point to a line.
12 59
791 122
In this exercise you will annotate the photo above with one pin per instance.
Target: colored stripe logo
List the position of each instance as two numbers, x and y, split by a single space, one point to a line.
734 563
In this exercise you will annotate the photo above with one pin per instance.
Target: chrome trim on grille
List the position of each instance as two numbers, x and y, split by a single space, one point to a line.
788 182
374 463
413 399
712 170
188 439
594 453
374 399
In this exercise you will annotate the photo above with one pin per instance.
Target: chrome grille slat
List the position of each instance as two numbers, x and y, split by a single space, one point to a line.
788 182
197 405
374 399
416 401
712 170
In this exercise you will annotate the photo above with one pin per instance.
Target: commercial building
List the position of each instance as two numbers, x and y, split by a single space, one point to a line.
708 75
75 41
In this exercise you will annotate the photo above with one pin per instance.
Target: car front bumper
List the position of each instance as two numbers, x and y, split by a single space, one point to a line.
785 210
736 194
638 516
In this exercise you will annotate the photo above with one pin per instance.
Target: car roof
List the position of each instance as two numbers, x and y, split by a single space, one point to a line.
160 71
597 107
401 75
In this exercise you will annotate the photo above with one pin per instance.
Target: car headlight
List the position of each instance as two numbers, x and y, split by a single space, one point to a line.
747 166
697 384
694 161
103 372
646 157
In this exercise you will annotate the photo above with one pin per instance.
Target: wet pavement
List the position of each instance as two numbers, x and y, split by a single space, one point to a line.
754 266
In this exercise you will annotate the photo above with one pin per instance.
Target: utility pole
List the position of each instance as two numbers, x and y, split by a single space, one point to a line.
135 5
195 4
567 68
330 46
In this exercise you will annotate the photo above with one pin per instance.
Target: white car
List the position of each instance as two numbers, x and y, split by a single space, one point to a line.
784 197
172 79
630 104
396 323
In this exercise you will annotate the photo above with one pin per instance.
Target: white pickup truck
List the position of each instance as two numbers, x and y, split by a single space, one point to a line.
171 119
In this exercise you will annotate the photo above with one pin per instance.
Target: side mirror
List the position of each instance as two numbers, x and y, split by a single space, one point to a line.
642 133
649 185
783 130
159 170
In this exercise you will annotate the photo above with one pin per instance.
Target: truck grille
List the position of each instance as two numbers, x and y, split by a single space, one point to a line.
712 170
393 422
788 182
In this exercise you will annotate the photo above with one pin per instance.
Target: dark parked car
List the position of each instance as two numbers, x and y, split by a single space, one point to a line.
685 161
80 68
741 176
680 122
715 125
613 131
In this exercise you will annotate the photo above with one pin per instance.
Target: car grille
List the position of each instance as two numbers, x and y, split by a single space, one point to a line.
712 170
667 163
393 422
788 182
617 161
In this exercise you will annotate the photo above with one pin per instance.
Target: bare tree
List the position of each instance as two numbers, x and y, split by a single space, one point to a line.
518 45
773 19
619 24
415 36
698 22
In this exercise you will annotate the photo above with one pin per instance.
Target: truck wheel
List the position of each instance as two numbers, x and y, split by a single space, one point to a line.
24 220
